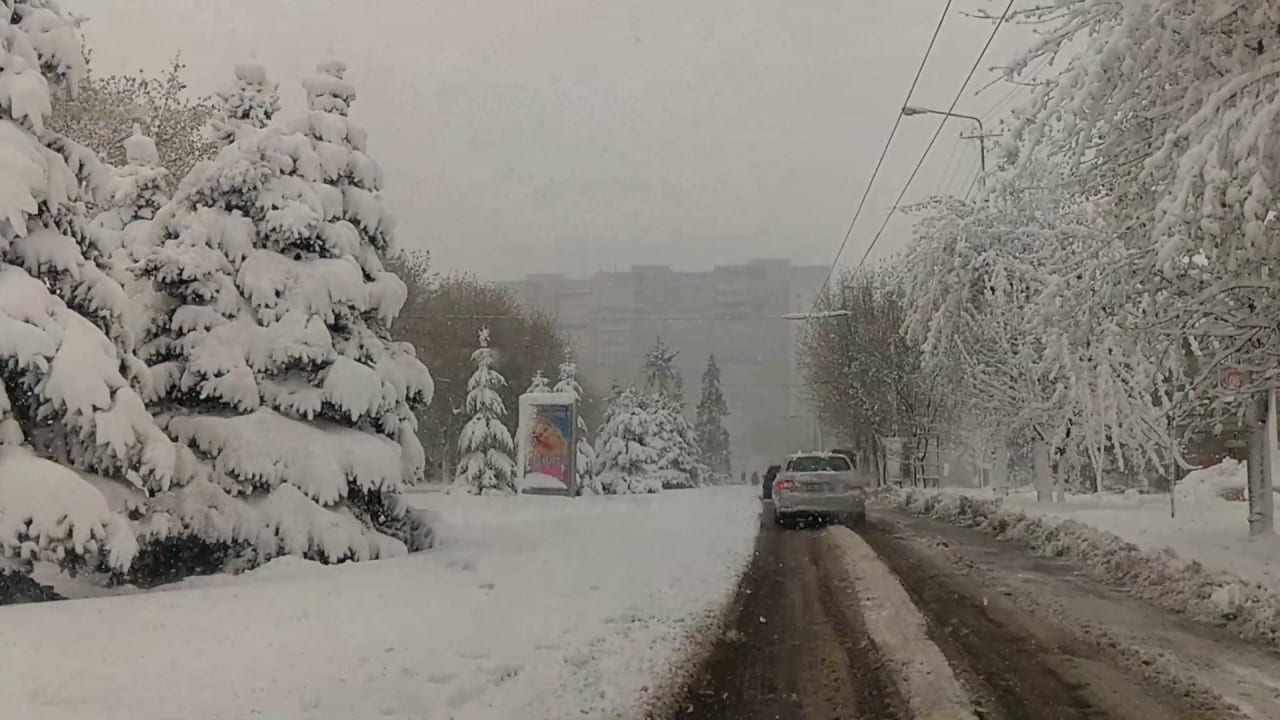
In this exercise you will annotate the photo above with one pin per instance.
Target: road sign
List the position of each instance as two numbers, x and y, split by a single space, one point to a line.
1234 380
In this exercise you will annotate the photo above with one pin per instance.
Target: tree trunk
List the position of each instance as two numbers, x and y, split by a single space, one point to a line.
1043 475
1261 510
873 459
1000 469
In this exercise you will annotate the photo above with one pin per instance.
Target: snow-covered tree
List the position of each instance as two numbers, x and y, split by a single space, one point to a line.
585 462
122 232
341 147
485 444
625 450
1010 292
1164 110
661 377
445 324
252 101
675 440
713 438
107 109
539 383
273 363
66 397
135 194
868 379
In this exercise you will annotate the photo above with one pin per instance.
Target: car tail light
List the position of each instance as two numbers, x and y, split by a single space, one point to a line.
785 484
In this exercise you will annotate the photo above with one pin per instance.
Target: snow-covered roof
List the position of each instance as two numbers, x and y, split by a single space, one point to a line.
548 398
814 453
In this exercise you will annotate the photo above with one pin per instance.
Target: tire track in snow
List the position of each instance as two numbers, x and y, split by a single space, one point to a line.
1014 665
795 646
899 630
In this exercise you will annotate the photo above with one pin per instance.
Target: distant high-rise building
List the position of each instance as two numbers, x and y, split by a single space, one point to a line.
732 311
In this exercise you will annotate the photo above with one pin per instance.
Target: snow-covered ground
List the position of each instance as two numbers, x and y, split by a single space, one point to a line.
1201 563
1206 527
531 607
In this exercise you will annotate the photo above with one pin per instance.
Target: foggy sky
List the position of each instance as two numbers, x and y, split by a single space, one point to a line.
576 135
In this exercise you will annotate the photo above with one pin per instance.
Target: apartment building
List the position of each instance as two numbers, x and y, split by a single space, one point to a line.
732 311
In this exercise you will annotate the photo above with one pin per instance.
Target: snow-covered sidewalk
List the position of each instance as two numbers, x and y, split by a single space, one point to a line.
1206 527
532 607
1201 562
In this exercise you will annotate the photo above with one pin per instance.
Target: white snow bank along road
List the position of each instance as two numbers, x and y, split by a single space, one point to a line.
532 608
1219 577
1208 527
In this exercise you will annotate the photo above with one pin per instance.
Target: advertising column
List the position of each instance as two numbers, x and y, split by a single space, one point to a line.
547 443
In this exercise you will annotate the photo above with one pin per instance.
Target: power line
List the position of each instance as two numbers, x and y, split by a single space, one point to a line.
973 183
883 153
961 172
607 318
955 101
1013 91
948 169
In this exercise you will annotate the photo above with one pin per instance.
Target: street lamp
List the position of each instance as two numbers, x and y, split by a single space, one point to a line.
981 137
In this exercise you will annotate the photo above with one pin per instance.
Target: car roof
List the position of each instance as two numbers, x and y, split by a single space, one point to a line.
815 453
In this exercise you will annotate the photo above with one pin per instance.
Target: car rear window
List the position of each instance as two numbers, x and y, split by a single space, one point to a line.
818 463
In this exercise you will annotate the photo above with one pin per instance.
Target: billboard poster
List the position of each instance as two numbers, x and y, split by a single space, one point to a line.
547 454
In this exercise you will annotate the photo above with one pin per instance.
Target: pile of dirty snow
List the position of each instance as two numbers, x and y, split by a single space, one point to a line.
1213 595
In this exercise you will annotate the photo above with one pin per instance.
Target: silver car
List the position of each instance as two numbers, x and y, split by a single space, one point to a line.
820 485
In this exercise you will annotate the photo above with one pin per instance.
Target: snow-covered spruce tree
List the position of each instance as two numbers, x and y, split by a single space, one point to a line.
625 450
661 377
122 230
252 101
675 440
273 362
539 383
713 438
64 352
585 462
135 193
485 443
341 147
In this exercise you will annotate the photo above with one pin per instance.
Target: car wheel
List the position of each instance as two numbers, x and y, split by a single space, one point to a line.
781 520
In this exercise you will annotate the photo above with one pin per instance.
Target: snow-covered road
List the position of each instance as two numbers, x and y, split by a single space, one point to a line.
532 607
916 618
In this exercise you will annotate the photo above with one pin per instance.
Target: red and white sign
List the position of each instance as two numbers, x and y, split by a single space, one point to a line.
1234 380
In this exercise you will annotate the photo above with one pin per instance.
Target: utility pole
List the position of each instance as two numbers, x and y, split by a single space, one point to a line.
981 136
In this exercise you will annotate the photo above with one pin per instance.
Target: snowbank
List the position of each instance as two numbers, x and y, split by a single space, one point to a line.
1208 528
1194 564
530 607
539 481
